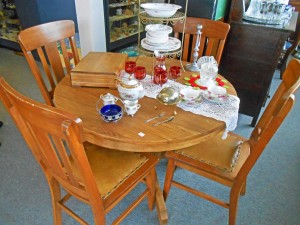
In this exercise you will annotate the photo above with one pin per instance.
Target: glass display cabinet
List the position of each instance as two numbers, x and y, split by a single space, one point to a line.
121 23
9 25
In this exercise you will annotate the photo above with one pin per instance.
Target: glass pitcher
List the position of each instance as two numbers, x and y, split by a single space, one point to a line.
160 70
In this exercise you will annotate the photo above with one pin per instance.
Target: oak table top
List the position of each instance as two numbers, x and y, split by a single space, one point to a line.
185 130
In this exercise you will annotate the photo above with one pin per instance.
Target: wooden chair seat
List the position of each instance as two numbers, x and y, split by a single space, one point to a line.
120 165
222 157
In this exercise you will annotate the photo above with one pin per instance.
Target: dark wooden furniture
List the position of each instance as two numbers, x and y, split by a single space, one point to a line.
250 57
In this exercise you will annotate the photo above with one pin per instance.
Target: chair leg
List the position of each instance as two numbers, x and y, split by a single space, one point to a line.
169 176
244 187
99 216
234 201
55 197
151 184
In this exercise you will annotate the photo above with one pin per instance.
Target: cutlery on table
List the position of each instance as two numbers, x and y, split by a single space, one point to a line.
156 117
165 121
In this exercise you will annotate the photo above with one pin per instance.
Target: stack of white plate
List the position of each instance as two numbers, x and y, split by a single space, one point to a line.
157 38
157 33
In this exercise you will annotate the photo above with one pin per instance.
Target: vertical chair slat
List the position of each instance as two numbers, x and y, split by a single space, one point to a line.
46 67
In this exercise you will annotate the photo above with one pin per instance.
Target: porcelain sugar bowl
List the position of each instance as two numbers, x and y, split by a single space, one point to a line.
108 99
129 88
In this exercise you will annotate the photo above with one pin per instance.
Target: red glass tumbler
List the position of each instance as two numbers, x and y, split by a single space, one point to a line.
174 72
129 66
140 72
160 76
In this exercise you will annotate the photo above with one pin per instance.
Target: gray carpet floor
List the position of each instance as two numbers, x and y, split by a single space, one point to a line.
273 188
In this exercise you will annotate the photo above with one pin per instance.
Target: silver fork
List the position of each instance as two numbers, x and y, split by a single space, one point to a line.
160 115
165 121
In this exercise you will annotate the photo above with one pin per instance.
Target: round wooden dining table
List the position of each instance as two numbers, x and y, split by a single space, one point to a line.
132 133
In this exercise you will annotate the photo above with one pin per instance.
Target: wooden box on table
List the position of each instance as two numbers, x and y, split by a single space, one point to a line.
98 69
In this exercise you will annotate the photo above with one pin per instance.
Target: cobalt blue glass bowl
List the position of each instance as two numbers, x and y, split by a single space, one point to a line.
111 113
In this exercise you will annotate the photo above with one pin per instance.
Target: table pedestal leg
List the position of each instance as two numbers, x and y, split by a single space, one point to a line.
161 208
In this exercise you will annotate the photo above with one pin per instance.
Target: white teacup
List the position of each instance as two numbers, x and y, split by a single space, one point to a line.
216 91
131 107
190 95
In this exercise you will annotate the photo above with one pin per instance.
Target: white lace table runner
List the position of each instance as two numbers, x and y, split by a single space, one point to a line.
226 111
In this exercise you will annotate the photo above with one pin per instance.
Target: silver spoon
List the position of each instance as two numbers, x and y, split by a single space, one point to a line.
165 121
160 115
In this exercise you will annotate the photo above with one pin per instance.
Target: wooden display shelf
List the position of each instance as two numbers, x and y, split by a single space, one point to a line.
121 17
122 36
117 5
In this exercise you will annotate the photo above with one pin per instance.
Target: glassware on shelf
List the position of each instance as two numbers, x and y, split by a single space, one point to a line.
269 12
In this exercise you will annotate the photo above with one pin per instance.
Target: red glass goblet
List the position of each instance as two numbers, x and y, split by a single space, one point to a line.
140 72
129 67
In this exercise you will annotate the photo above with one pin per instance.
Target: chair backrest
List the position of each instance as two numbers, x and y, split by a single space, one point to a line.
55 139
275 113
50 41
213 37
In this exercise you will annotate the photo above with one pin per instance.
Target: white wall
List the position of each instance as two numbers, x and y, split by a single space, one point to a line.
91 26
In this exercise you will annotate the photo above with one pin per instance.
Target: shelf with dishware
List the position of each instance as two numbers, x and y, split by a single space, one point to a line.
121 23
120 17
119 35
9 25
121 4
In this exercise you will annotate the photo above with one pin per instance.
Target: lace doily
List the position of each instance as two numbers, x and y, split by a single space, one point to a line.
226 111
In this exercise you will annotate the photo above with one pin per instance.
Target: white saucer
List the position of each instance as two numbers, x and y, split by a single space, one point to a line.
171 45
209 97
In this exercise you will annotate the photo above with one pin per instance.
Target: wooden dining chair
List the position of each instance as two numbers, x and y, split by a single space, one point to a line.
229 161
48 43
94 175
213 37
